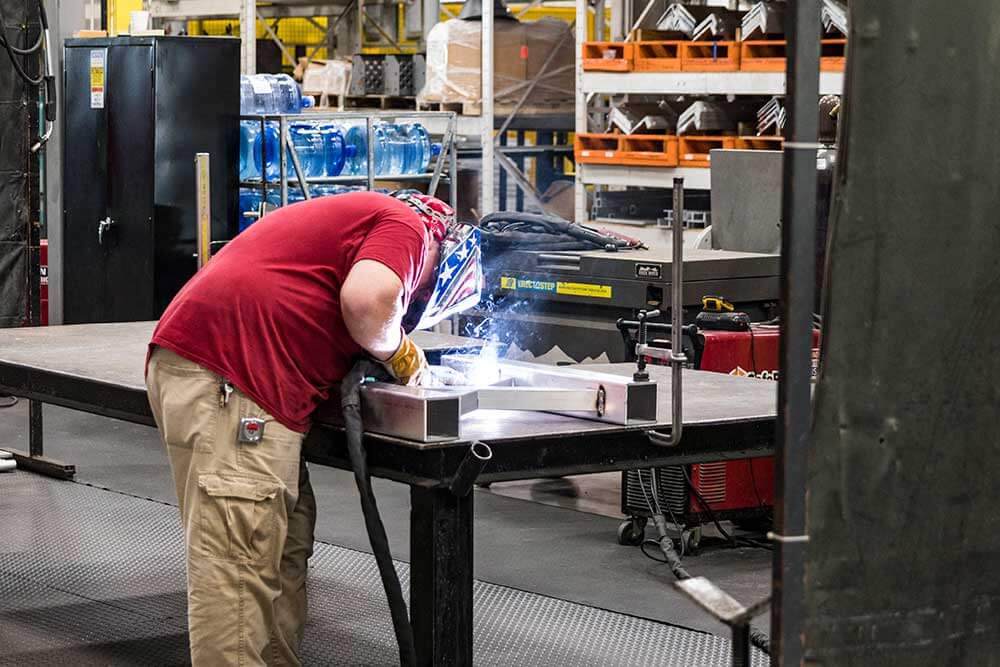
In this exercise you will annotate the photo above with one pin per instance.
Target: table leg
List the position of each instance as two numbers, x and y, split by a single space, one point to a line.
35 459
441 576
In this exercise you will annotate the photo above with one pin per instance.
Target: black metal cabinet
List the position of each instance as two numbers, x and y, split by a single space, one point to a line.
137 110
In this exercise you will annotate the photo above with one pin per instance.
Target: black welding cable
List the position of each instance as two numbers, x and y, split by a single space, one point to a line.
14 52
350 401
734 541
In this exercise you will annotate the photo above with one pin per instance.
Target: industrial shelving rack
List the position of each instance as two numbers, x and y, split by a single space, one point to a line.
447 156
591 83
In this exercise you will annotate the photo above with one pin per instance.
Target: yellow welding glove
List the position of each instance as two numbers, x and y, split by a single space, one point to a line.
408 364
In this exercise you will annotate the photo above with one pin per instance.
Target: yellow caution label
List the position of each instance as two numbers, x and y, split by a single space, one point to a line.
97 60
584 289
568 289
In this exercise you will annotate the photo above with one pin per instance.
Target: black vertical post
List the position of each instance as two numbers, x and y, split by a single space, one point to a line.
797 279
741 645
502 189
35 447
519 160
441 576
545 162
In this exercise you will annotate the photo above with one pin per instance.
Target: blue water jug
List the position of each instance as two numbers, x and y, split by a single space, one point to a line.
397 147
338 151
419 149
356 137
247 106
257 95
308 144
250 200
249 159
311 148
287 94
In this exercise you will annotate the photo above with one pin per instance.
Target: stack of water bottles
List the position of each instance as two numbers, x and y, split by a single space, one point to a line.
324 148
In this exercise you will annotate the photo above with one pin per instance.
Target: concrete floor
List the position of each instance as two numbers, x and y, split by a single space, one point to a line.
522 542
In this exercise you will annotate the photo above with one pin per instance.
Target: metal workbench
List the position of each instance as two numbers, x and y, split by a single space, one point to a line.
99 369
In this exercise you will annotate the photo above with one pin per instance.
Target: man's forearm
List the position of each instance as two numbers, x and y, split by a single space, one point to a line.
379 333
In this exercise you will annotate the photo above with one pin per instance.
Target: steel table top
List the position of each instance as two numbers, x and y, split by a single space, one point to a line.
99 368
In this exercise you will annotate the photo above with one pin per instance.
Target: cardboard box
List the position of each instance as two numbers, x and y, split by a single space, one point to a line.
520 49
319 77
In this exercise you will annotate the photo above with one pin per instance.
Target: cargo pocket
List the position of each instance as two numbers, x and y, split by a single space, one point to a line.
238 516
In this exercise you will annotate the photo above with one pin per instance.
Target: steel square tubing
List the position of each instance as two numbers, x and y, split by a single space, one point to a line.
433 415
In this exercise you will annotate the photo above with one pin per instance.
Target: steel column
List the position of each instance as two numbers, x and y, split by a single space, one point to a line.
486 200
248 37
441 575
798 258
580 126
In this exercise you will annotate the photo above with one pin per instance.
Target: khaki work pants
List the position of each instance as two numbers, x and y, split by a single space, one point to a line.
248 513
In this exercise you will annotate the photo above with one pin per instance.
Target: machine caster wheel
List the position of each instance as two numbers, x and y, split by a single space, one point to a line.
632 532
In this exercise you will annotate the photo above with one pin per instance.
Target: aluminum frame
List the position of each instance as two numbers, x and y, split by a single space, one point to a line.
425 414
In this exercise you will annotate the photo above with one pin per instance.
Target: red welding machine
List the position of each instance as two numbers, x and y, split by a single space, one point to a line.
739 490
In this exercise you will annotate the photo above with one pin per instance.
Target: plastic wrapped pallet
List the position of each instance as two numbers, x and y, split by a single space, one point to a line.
324 77
520 49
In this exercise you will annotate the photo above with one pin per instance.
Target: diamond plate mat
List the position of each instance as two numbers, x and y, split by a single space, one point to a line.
94 577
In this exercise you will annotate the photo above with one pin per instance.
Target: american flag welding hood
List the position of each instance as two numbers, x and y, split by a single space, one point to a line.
458 285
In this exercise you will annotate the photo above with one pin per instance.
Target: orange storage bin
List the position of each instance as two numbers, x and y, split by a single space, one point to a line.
608 56
597 148
710 57
649 150
763 55
695 151
658 56
833 55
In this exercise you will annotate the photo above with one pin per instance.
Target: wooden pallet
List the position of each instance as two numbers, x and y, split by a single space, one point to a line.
608 56
657 56
710 57
650 150
468 108
695 151
380 102
760 143
597 148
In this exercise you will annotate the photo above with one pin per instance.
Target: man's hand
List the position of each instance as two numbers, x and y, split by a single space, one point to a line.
408 364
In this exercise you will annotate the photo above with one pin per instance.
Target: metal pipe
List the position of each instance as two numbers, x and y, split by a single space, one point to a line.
439 163
677 358
476 458
299 175
203 206
282 160
798 257
248 37
370 158
486 97
453 163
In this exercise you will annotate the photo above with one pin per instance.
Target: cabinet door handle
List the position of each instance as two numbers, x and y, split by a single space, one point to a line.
104 228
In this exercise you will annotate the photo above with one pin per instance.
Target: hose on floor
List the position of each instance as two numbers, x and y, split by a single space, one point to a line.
350 401
673 561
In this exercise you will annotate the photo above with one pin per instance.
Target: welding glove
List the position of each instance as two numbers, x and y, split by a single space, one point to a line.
408 364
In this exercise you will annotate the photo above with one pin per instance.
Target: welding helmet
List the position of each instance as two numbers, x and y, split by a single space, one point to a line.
457 284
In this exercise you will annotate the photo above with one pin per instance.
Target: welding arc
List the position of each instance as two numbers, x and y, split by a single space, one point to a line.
350 401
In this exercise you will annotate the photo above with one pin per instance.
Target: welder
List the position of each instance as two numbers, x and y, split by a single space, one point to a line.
241 358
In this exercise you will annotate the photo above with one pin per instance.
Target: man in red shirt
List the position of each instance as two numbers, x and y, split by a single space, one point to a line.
240 359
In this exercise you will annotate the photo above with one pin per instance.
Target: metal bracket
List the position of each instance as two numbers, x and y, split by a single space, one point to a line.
104 227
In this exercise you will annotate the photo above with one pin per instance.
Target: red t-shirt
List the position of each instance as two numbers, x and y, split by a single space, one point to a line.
265 314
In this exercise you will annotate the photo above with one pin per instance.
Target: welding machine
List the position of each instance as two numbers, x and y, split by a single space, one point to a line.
721 340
